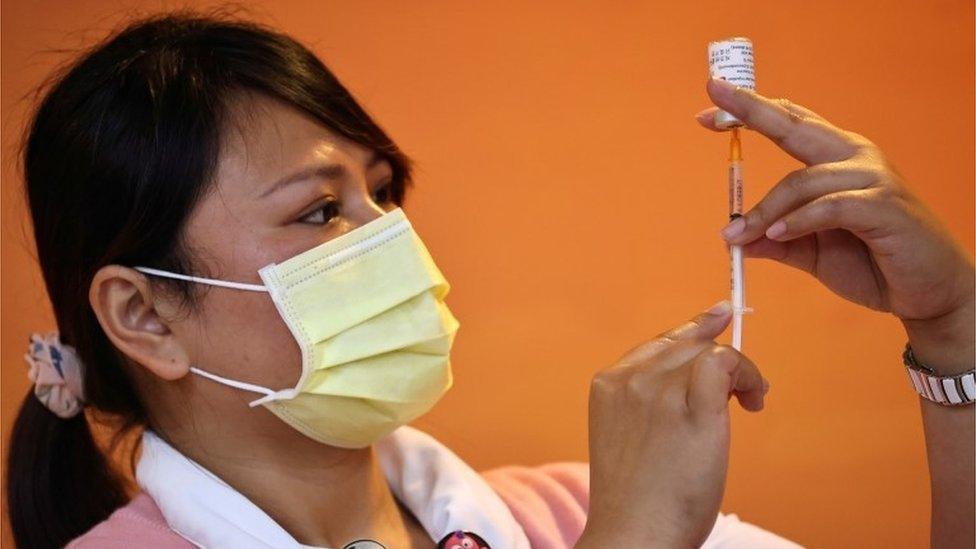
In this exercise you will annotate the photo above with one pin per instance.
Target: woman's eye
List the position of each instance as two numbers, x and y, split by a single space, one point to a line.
383 194
322 215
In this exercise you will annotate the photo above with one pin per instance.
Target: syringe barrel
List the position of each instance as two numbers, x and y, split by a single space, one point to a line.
735 189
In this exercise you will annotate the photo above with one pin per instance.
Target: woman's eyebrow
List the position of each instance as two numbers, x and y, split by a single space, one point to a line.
324 171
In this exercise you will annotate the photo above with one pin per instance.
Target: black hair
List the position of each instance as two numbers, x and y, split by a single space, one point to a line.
121 146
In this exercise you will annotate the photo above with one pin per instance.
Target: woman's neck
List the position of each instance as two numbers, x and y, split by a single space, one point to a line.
320 494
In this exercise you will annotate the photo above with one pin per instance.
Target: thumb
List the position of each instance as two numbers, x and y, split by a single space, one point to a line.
704 326
707 325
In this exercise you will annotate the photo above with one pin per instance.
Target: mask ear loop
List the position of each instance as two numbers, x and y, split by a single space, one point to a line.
211 281
268 393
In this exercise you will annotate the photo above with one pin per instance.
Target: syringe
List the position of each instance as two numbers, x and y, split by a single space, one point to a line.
731 60
735 210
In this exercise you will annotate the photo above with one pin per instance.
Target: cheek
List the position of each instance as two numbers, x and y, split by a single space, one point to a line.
241 336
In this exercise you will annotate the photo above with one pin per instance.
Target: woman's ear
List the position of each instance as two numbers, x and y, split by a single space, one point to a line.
125 307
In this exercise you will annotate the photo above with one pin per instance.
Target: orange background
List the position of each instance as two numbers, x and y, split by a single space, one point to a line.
574 203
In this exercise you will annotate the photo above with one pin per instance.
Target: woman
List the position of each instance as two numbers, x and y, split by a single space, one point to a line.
219 229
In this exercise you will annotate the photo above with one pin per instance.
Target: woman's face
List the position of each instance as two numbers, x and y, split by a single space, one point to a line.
284 184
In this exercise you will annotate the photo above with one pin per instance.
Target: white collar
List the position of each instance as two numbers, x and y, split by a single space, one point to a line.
442 491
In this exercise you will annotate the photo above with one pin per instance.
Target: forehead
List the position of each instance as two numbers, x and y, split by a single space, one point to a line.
264 137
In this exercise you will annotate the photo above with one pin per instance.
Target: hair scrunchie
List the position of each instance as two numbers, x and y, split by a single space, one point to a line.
57 374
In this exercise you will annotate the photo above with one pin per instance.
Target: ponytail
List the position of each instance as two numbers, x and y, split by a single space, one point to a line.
59 483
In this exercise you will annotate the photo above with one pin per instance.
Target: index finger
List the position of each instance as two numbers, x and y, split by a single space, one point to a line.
809 139
716 374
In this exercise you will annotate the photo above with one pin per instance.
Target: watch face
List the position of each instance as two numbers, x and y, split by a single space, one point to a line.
364 544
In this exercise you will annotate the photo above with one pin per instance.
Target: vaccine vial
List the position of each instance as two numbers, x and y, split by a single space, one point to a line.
731 60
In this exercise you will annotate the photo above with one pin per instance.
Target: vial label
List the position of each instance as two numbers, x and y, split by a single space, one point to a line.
732 60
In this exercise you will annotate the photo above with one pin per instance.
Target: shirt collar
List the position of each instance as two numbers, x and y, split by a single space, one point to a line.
442 491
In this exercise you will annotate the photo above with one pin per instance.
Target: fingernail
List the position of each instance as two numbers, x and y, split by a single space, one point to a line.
777 229
765 386
723 83
726 87
701 116
721 308
734 228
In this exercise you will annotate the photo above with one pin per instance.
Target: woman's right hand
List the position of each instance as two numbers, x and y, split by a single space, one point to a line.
659 436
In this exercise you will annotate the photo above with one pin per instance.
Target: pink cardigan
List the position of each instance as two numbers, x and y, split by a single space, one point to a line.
550 502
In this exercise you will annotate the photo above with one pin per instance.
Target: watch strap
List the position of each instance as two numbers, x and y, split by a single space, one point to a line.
954 390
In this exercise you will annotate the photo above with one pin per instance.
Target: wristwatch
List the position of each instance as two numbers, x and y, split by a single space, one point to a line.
955 390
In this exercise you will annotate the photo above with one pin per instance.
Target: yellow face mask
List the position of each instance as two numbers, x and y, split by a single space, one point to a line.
368 312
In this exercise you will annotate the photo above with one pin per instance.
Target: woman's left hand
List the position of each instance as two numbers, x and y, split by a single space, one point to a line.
847 218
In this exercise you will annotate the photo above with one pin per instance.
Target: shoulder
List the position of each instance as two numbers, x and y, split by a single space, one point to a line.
137 524
564 484
550 501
